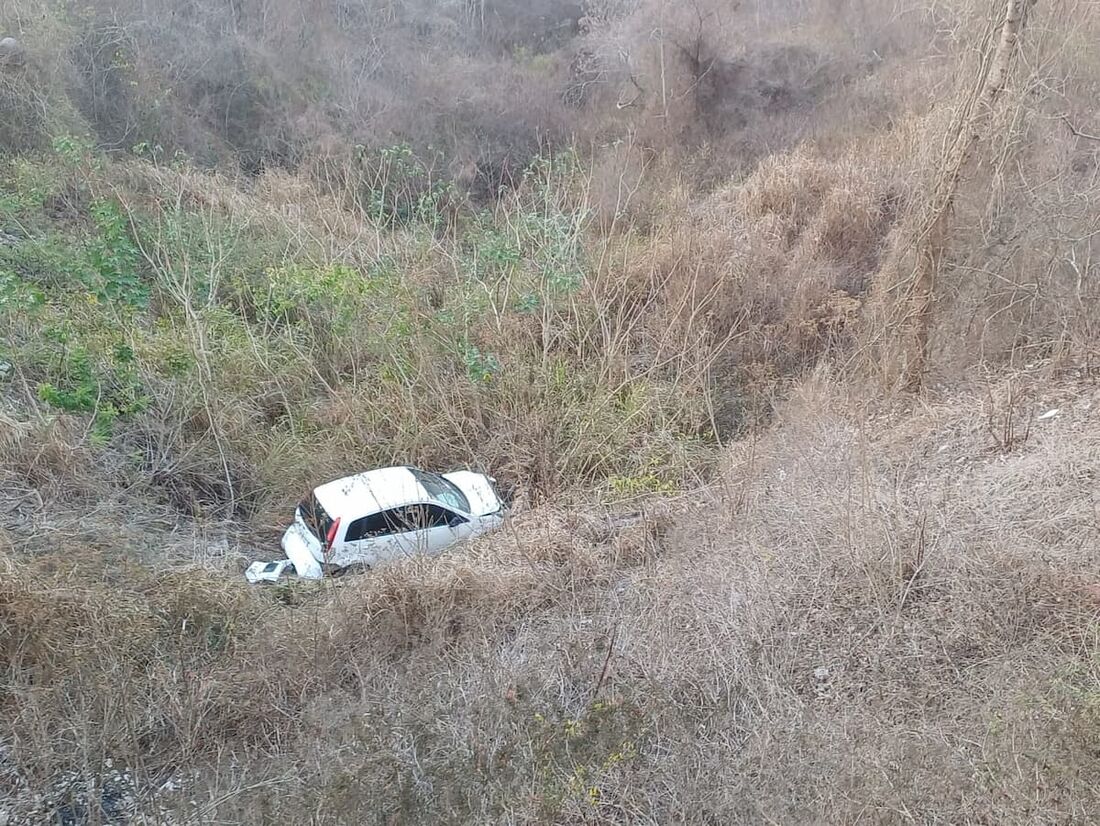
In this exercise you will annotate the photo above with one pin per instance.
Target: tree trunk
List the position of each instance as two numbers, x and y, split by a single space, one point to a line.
935 233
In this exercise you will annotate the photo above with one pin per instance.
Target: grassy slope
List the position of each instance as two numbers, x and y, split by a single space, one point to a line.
864 609
870 613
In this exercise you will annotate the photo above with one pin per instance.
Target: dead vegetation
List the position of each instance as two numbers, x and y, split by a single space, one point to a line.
657 266
857 620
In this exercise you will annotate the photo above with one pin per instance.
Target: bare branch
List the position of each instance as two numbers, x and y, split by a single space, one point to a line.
1077 132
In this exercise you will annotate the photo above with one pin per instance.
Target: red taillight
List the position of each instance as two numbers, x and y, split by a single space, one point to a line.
331 537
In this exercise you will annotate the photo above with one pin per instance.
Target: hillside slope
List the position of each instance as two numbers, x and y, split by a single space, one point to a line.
870 613
663 269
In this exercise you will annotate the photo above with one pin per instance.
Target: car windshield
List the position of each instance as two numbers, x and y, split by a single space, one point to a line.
315 517
442 490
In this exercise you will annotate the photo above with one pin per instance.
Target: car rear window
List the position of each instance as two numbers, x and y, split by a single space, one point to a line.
442 490
316 517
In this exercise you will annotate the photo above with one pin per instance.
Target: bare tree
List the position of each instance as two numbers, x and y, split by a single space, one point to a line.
934 231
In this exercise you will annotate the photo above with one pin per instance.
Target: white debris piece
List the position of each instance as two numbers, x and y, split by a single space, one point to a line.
266 571
1050 414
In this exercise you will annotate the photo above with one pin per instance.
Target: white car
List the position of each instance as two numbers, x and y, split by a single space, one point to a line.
381 515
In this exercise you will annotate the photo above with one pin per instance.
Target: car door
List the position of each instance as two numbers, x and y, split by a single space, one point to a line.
371 540
430 529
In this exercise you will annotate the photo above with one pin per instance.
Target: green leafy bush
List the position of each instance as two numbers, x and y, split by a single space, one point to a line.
16 295
109 391
399 189
115 259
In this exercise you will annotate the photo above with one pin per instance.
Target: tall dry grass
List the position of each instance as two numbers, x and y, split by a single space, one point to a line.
875 613
862 609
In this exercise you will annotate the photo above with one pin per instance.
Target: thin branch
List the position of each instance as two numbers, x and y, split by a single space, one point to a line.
606 663
1078 132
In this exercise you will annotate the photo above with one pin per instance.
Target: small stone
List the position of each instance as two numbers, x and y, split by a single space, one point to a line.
11 52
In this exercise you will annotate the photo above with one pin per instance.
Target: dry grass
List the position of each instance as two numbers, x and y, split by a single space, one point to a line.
877 614
864 608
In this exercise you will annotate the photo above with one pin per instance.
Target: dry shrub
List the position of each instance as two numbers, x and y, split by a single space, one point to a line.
46 459
540 25
825 560
1032 298
621 192
255 87
785 253
740 81
875 613
1012 282
875 581
23 128
861 576
92 672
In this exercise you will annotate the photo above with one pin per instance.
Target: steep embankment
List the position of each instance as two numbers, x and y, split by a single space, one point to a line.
596 250
872 612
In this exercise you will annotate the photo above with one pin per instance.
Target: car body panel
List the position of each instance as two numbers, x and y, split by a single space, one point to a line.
302 548
478 489
369 492
366 496
370 552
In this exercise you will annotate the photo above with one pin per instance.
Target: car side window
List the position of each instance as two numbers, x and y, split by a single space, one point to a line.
397 520
439 516
369 527
407 519
425 516
416 518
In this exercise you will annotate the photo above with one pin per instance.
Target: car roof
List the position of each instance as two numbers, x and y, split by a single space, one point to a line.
370 492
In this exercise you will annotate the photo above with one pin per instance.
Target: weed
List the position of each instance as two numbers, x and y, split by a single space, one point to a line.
108 393
575 756
16 295
294 289
480 367
399 189
649 479
115 260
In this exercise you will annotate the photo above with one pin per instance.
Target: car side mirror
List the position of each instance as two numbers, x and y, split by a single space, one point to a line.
456 521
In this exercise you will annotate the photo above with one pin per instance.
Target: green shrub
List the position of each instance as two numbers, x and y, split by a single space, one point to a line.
293 290
576 755
109 390
114 259
16 295
399 189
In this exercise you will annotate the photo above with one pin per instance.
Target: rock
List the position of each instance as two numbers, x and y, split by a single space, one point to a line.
11 52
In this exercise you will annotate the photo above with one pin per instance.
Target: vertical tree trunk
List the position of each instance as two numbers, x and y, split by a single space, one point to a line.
935 234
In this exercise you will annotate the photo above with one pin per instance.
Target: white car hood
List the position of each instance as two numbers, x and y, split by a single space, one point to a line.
478 490
302 549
